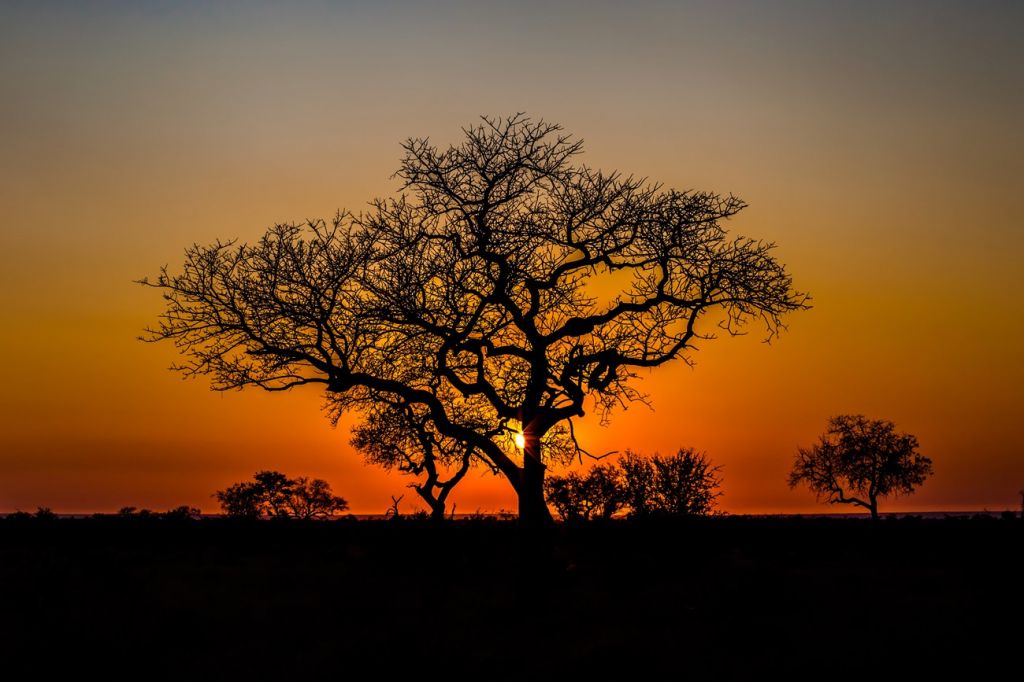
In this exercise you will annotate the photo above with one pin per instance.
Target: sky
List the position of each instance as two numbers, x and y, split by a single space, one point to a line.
878 144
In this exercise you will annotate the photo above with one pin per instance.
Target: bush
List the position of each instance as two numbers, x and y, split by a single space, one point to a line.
684 484
598 494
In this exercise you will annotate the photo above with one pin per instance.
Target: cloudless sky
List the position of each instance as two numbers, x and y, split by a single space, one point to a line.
878 143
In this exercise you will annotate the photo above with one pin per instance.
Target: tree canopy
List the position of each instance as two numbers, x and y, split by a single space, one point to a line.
503 287
859 460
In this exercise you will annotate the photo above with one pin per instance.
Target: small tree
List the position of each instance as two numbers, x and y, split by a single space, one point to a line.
683 484
859 460
274 494
183 513
45 514
599 493
313 499
402 437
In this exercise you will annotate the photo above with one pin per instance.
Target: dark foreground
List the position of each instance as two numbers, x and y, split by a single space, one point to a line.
724 598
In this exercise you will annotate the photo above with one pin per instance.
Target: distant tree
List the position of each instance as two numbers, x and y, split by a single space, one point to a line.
858 460
313 499
241 500
275 491
597 494
483 280
683 484
45 514
687 483
638 484
565 494
273 494
183 513
135 513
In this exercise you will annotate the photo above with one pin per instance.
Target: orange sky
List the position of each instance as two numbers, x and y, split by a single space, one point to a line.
879 145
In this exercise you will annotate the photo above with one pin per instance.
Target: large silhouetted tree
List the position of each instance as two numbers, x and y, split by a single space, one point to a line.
503 274
859 460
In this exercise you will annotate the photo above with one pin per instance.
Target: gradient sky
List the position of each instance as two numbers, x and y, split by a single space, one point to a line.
879 144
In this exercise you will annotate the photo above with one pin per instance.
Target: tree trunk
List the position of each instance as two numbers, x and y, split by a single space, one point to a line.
533 510
436 504
437 509
874 507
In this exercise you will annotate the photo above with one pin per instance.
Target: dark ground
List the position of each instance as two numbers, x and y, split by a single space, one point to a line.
725 598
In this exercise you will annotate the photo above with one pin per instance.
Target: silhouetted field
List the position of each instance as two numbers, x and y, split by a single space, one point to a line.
727 597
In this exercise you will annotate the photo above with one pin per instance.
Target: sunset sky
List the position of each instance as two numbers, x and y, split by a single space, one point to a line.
880 145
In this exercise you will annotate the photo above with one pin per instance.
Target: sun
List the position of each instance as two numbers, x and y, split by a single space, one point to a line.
520 441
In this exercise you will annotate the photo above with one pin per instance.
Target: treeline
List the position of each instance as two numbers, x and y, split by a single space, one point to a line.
271 494
181 513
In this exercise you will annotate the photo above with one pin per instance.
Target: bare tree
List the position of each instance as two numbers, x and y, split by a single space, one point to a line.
503 274
393 511
859 460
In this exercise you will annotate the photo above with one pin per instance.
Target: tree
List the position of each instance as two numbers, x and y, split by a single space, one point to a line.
859 460
504 281
241 500
273 494
397 435
313 499
274 491
183 513
402 436
45 514
683 484
599 493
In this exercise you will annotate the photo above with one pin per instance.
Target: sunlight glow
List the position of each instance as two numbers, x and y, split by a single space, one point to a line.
520 441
